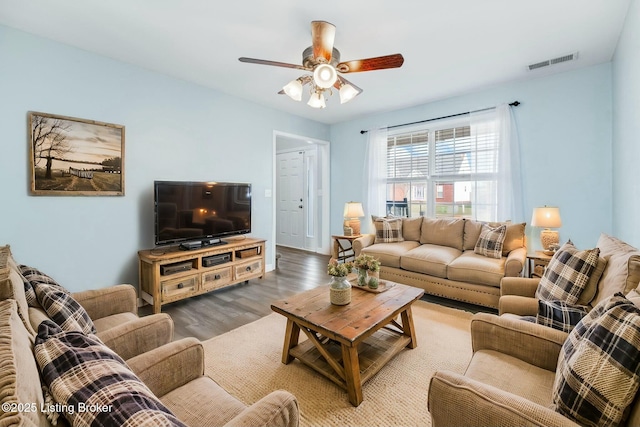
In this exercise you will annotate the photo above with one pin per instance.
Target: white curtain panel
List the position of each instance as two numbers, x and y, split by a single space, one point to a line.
497 126
510 198
375 176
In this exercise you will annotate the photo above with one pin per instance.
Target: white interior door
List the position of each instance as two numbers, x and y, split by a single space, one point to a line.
290 199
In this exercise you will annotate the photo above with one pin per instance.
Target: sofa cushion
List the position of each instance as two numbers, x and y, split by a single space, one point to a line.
598 370
473 268
411 228
490 241
622 272
429 259
388 230
20 379
560 315
389 253
567 274
58 302
79 370
192 403
472 230
443 231
499 370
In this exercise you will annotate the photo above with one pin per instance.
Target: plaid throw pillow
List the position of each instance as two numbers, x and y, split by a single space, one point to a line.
84 374
599 365
388 230
491 241
57 302
560 315
567 274
29 292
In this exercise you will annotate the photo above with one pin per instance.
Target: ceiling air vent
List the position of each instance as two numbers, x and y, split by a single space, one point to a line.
558 60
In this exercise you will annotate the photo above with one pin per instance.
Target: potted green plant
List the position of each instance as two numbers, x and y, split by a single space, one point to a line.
339 287
368 270
362 264
373 273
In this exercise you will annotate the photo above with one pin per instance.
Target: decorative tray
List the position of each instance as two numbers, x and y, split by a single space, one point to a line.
383 286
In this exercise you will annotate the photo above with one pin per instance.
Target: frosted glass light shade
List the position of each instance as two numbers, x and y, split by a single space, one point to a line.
324 76
347 93
294 90
316 100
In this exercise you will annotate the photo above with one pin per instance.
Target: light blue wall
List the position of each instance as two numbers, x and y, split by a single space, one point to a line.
564 126
174 130
626 129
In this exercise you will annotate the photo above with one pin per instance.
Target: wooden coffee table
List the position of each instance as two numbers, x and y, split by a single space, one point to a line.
348 344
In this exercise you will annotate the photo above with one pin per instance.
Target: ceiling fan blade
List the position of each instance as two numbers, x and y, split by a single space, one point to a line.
370 64
323 35
274 63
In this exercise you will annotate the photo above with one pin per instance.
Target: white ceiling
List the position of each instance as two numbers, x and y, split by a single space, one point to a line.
450 46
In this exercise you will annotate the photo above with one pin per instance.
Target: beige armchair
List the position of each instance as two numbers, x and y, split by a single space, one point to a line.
175 374
509 380
618 270
114 312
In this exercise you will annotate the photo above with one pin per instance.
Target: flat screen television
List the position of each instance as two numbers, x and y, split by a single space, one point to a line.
198 214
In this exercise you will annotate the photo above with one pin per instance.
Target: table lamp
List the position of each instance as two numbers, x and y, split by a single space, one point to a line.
352 213
547 217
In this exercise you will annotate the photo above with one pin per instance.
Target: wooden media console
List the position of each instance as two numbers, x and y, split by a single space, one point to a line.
171 274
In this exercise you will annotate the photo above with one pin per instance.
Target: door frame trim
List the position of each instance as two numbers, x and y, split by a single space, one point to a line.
324 157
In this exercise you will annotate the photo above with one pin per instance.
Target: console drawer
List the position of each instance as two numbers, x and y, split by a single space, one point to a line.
178 288
247 270
217 278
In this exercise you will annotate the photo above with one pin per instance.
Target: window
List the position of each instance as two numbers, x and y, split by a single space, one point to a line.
449 170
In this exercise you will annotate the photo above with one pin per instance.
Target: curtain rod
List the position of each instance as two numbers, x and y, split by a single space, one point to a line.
513 104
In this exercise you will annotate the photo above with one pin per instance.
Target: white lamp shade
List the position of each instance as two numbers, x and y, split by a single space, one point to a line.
316 100
347 93
324 76
353 210
547 217
294 90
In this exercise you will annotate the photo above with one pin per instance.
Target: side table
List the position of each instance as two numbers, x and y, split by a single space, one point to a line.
343 247
538 261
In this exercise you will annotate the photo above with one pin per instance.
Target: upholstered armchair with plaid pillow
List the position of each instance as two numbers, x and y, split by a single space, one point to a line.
617 270
526 374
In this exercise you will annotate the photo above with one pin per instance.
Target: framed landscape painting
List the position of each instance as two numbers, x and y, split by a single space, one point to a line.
75 157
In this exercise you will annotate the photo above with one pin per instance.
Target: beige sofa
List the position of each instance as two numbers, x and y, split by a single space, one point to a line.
438 256
173 371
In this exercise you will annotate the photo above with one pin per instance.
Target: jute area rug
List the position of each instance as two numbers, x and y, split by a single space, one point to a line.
247 363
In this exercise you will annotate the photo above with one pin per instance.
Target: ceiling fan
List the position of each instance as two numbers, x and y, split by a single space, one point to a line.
323 61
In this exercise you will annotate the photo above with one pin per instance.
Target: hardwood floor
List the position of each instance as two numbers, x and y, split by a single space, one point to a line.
220 311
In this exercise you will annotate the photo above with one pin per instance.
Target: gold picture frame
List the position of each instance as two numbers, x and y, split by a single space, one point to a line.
69 156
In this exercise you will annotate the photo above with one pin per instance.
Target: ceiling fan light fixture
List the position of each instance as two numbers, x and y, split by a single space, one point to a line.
294 89
316 100
325 75
347 93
